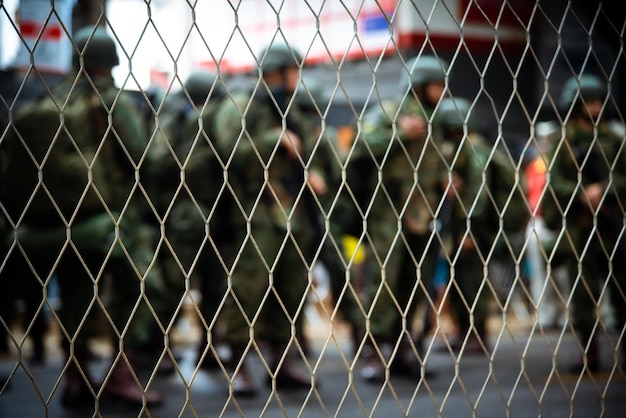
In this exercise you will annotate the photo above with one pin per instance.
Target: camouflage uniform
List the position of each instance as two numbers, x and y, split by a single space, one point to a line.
592 242
466 156
273 217
400 224
185 186
271 226
327 160
94 197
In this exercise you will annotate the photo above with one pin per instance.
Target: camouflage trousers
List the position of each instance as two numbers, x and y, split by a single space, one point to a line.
469 299
268 284
99 276
399 276
602 266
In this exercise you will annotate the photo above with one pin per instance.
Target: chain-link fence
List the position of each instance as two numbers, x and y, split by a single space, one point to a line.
309 208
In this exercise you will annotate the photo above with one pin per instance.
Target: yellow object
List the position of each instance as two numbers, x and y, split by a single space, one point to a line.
352 247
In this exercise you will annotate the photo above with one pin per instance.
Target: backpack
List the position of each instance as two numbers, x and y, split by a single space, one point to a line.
49 154
183 143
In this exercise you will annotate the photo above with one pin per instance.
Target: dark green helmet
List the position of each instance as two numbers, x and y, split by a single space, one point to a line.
278 56
422 70
312 96
96 47
587 87
455 112
200 83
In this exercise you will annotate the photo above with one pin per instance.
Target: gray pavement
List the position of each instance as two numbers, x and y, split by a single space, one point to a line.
525 376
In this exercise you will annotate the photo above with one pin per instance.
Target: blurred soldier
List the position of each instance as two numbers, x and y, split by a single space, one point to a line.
186 185
274 224
466 153
80 221
327 159
588 179
401 218
15 284
489 197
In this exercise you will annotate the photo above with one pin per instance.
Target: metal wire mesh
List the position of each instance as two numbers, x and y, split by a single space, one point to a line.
261 207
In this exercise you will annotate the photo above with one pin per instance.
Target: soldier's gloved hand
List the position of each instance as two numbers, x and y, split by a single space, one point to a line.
412 127
317 183
593 194
455 188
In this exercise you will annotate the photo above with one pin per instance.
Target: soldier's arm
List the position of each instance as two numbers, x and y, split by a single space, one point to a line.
243 129
378 129
474 194
562 180
618 161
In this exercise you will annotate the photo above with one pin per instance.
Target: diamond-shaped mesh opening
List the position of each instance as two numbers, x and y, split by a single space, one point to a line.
296 208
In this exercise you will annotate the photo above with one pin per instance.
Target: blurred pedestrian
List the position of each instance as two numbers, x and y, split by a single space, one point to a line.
402 136
74 204
549 288
587 180
275 223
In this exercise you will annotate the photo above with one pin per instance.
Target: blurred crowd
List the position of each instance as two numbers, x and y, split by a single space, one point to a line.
130 205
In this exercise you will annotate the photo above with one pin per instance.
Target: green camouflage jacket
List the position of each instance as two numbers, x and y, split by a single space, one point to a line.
410 173
266 183
577 161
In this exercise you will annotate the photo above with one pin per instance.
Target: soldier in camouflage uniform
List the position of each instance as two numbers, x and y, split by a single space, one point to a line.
191 206
588 179
81 223
272 228
466 200
401 219
328 159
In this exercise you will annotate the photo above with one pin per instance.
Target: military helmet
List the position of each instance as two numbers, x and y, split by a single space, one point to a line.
454 112
586 87
199 84
311 96
278 56
422 70
97 48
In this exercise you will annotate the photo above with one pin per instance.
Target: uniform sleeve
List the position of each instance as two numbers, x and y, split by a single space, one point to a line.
378 130
563 174
245 130
474 196
617 159
129 127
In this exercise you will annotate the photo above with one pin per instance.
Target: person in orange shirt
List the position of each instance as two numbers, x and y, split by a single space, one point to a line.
548 289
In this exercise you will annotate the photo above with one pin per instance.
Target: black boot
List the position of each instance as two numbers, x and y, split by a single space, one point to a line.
477 340
374 369
122 387
356 338
405 361
287 375
78 391
590 358
38 356
210 361
242 382
427 371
